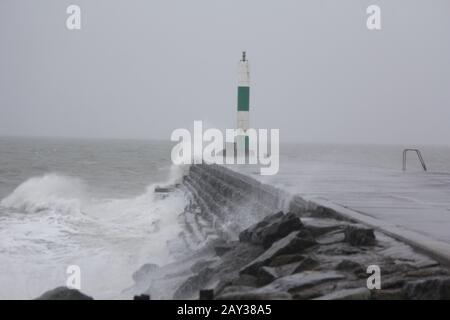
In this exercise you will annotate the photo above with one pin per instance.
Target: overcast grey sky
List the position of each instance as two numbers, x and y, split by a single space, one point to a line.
139 69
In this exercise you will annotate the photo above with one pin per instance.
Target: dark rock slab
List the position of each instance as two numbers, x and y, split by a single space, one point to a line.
250 234
267 274
295 242
350 266
331 238
318 231
246 280
286 259
357 236
271 229
234 260
64 293
300 281
308 263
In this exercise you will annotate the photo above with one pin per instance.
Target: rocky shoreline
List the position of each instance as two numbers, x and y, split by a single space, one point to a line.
283 257
244 240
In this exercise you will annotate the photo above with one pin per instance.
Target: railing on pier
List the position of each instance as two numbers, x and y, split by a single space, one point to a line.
417 151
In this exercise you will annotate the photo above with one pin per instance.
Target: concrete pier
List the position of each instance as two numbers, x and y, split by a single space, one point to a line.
411 206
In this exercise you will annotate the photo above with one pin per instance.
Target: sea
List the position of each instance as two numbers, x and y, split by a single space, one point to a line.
91 203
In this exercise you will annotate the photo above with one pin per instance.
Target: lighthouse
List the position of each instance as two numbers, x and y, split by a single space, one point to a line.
243 106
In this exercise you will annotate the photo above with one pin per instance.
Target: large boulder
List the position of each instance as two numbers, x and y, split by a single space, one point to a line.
350 266
295 242
356 236
64 293
271 229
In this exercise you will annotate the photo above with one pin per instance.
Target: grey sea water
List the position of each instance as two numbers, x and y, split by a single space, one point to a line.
91 203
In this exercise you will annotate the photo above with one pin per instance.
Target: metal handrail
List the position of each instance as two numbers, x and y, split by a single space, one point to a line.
418 154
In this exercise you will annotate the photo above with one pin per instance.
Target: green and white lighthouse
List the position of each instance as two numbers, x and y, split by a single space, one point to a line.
243 104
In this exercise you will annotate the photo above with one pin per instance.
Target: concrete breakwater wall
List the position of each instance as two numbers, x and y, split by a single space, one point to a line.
271 245
231 201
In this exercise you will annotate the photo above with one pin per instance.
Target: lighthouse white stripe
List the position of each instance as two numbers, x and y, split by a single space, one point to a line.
244 74
243 120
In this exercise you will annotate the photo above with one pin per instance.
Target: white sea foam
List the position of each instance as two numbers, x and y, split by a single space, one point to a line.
53 222
49 192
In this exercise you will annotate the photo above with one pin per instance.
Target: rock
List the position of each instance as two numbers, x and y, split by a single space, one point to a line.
248 293
394 281
64 293
246 280
206 294
307 264
350 266
347 294
271 229
222 249
249 233
392 294
338 249
292 243
318 231
330 238
193 284
202 264
243 280
286 259
144 271
356 236
234 260
300 281
266 275
427 272
430 289
314 292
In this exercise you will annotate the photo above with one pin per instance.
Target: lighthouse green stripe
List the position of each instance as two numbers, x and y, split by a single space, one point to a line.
243 98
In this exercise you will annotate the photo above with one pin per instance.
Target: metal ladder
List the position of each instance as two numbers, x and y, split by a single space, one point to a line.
417 151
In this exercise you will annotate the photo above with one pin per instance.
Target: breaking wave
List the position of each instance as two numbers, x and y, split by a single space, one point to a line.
49 192
52 221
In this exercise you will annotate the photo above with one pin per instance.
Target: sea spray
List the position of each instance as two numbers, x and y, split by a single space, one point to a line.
48 192
108 238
